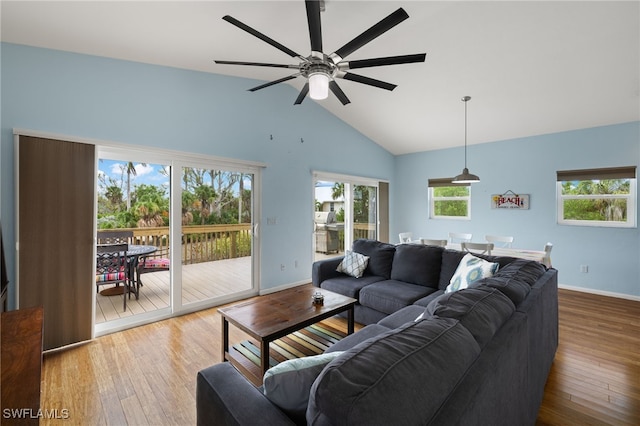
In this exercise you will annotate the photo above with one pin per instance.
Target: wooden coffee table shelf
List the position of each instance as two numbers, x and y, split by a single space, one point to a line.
270 317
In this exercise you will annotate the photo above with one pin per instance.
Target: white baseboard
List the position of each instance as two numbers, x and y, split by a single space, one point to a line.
283 287
600 292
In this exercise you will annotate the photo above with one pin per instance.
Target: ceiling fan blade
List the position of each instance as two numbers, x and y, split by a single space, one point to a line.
378 29
315 28
261 36
303 94
389 60
338 92
271 83
257 64
370 81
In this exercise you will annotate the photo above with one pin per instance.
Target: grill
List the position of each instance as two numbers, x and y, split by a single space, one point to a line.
326 231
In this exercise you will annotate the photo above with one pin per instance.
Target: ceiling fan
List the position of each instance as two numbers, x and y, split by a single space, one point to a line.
322 70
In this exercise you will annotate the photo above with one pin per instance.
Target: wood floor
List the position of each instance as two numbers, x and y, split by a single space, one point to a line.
146 375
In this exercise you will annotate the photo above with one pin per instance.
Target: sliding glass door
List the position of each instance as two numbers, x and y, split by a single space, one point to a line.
217 233
346 209
197 219
134 195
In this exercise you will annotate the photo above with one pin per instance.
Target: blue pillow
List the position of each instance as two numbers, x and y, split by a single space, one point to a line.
470 270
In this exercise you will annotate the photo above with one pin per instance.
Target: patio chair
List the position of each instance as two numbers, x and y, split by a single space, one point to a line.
112 267
115 237
154 262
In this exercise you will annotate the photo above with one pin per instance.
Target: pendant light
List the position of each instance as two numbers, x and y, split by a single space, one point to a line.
465 176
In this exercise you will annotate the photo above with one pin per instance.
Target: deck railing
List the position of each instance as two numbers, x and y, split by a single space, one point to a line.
200 243
206 243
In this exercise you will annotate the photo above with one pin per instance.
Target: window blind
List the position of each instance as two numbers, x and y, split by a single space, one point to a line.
55 236
628 172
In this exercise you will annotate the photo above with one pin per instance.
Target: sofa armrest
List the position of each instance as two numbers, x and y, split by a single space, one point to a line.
225 397
323 270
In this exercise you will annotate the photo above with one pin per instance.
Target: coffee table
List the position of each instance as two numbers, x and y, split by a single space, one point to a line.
272 316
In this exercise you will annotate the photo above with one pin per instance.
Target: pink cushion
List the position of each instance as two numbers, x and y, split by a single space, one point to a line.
155 263
114 276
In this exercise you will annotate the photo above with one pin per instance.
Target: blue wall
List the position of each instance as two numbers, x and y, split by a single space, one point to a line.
126 102
528 166
98 98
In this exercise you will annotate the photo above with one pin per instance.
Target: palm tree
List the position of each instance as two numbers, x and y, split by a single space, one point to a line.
131 170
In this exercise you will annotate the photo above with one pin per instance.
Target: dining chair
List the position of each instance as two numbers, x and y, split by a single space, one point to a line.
504 241
547 254
112 267
405 237
478 248
459 237
430 242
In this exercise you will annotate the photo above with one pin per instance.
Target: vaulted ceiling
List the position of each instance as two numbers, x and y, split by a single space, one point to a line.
530 67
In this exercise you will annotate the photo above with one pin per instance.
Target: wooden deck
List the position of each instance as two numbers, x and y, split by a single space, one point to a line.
200 281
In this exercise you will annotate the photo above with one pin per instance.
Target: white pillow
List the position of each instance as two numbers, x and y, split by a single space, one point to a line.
470 269
353 264
288 384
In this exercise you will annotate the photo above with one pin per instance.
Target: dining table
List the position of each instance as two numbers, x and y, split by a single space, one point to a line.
529 254
133 253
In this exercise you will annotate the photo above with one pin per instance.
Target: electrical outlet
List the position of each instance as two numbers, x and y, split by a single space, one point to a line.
282 266
295 264
584 269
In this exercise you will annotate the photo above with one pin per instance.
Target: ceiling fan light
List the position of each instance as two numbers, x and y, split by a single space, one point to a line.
318 85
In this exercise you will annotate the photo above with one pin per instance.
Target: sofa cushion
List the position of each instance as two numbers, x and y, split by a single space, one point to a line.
470 270
424 302
354 339
526 270
481 310
349 286
451 259
389 296
515 280
288 383
380 256
403 316
353 264
412 368
417 264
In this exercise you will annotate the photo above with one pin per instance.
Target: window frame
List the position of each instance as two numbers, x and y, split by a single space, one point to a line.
563 176
447 182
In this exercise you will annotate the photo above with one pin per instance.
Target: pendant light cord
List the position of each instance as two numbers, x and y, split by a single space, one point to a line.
465 99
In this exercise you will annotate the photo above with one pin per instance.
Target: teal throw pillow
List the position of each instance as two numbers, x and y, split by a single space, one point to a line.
471 269
287 384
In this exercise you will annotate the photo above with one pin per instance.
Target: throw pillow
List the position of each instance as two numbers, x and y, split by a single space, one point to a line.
287 384
471 269
353 264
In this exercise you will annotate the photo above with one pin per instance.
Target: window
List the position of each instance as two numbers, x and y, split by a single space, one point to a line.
597 197
449 200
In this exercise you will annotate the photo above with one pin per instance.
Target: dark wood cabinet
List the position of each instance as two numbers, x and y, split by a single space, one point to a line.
21 365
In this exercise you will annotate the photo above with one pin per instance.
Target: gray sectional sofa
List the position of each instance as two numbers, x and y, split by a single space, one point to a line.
476 356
